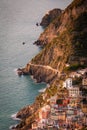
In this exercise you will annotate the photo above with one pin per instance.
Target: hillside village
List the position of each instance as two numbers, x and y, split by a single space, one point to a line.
67 109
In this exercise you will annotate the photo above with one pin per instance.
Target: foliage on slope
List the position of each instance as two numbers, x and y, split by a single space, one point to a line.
70 43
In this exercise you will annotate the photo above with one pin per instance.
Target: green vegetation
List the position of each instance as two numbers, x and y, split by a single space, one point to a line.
51 91
72 42
59 101
74 67
84 91
77 81
80 37
81 22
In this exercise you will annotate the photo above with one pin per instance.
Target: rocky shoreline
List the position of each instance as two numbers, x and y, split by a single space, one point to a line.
40 72
45 22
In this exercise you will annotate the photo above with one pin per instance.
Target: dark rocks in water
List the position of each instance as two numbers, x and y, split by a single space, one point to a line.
40 42
23 43
37 24
50 16
21 72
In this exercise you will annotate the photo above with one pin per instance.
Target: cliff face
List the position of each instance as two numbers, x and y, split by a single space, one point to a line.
42 73
65 38
60 23
65 42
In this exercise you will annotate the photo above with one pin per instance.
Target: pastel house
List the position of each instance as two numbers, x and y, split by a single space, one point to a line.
44 112
74 92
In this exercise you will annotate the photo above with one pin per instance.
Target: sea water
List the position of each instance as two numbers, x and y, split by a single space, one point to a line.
18 20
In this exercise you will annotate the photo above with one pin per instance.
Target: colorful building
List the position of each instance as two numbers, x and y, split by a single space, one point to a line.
44 112
74 92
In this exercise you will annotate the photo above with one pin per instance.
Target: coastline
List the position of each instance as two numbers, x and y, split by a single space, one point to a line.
45 73
12 127
14 117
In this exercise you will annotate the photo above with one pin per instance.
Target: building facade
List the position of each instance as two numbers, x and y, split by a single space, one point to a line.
67 83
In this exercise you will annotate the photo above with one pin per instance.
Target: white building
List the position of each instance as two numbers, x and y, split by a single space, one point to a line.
74 92
67 83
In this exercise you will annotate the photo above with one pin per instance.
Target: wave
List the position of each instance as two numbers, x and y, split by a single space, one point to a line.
32 77
42 90
15 70
12 127
48 85
14 117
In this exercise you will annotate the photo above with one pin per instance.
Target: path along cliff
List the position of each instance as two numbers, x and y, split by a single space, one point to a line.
65 43
48 73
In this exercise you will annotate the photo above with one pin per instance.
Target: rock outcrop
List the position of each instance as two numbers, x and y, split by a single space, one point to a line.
66 43
46 20
41 73
50 16
64 22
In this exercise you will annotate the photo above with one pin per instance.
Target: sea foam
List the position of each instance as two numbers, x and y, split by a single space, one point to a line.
12 127
42 90
14 117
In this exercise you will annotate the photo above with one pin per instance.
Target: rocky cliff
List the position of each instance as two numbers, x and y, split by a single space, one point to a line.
65 42
50 16
60 24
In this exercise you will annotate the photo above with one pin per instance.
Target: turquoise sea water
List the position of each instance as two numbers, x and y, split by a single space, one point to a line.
18 24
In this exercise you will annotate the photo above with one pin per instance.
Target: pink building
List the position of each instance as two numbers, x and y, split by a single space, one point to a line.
44 112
